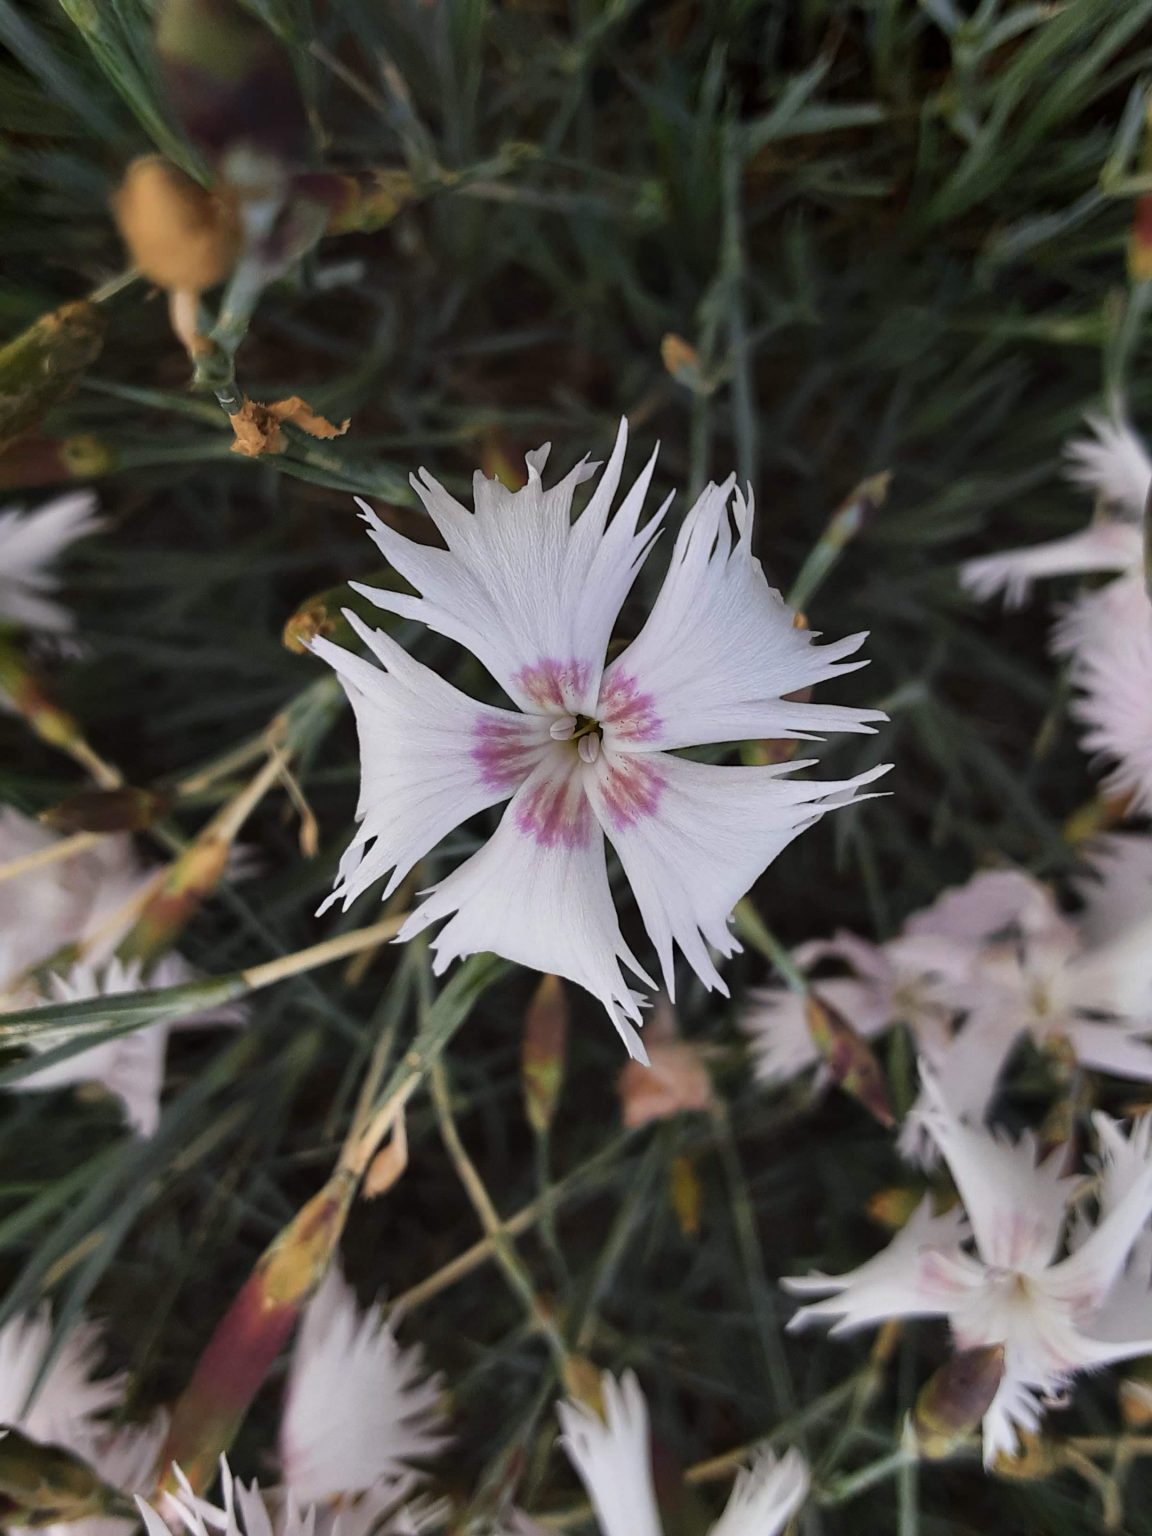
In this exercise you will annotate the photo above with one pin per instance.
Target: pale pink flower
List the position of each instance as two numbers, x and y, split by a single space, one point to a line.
987 963
60 903
1083 986
612 1457
1107 637
588 750
1018 1267
902 982
87 900
30 544
130 1067
1106 634
1115 466
359 1408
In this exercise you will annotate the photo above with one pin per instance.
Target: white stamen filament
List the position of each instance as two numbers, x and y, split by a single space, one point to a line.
563 729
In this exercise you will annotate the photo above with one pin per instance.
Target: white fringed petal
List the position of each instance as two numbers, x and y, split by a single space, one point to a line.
1113 463
993 901
1016 1203
720 649
765 1496
30 543
612 1457
1086 1276
1015 1410
131 1067
922 1273
358 1407
1108 637
72 1395
537 893
972 1062
1121 1049
1106 546
246 1511
1126 1311
530 592
694 837
430 758
1117 887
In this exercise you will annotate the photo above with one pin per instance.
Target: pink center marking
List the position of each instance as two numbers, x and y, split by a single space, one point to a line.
555 812
501 753
625 711
555 685
631 789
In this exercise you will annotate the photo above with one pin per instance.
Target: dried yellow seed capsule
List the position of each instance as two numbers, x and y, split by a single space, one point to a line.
180 235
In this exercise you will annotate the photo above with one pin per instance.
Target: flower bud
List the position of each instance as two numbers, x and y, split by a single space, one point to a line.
892 1208
687 1194
363 203
544 1052
180 235
1136 1396
682 361
40 367
107 810
252 1333
848 1057
48 1484
955 1399
1140 241
40 460
229 81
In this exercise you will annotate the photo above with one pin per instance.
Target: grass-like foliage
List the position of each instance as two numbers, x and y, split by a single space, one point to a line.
813 242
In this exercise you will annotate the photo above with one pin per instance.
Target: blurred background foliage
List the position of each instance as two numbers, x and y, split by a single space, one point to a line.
811 241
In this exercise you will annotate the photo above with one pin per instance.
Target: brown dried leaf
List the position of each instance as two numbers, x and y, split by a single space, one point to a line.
257 426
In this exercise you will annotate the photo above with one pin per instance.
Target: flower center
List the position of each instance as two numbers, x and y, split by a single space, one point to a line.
585 732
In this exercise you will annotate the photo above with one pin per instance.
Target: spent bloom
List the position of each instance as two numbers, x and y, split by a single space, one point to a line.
1106 632
30 544
69 1409
588 749
1016 1265
676 1079
612 1457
